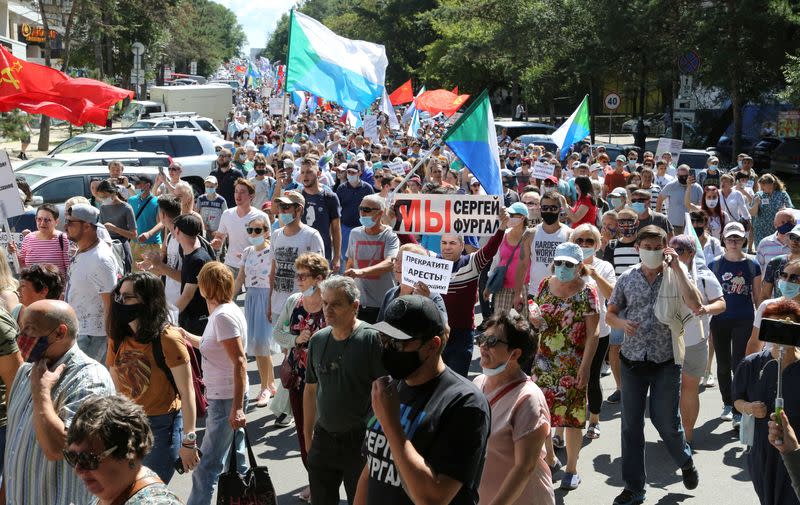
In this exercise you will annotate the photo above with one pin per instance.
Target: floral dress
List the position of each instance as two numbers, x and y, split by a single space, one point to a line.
560 353
763 222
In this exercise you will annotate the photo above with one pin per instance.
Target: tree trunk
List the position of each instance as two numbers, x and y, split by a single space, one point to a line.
44 128
736 106
592 108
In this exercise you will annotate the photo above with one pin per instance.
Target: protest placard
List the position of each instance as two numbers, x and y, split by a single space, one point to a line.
371 127
542 170
672 146
276 106
433 272
10 202
476 215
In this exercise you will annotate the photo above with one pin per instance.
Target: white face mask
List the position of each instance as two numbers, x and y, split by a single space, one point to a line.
491 372
514 221
712 202
651 259
310 291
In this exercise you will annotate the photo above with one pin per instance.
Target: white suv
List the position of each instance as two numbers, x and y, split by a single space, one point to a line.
178 120
195 150
128 158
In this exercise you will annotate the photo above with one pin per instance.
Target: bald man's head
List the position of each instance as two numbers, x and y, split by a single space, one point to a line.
51 313
784 216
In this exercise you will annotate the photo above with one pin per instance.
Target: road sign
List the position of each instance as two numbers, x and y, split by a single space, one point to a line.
684 116
689 62
137 48
612 101
137 75
685 104
193 67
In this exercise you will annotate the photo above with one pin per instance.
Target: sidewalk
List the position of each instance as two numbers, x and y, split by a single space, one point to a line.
58 134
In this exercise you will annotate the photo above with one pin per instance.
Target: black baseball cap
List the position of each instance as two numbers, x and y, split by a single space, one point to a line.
411 317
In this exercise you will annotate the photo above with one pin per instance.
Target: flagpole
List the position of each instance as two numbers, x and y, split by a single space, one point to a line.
284 114
413 171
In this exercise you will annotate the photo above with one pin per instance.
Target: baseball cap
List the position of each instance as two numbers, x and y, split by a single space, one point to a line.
552 178
86 213
189 224
292 197
416 179
618 192
473 180
411 317
360 156
211 179
517 208
735 230
287 163
570 252
506 173
795 231
622 158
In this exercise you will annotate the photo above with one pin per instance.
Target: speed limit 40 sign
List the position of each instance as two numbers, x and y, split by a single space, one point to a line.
611 101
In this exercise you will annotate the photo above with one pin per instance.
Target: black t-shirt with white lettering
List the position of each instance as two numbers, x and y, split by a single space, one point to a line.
447 420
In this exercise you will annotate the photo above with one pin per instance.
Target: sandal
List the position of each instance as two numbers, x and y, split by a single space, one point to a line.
593 431
558 442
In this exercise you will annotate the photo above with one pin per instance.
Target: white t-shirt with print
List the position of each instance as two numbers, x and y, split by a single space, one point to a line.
91 273
543 249
606 271
234 226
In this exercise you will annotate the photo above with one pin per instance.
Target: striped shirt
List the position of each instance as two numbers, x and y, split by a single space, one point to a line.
29 476
462 293
622 256
770 247
36 251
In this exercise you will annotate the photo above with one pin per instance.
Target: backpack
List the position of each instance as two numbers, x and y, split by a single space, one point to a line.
205 244
200 401
751 267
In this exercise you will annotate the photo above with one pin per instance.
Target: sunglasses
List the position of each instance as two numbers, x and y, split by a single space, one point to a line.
86 460
367 210
626 222
681 250
286 206
257 230
794 238
564 263
585 241
549 208
790 277
488 340
392 343
641 201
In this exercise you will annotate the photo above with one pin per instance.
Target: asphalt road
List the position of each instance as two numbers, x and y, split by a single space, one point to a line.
719 457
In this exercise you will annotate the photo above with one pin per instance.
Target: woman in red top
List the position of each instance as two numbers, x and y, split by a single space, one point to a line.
585 208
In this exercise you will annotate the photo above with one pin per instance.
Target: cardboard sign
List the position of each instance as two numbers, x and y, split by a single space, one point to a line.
6 238
396 168
10 202
672 146
276 106
542 170
476 215
371 127
433 272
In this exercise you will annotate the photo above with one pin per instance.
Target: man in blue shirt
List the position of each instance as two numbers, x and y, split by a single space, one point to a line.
350 194
145 207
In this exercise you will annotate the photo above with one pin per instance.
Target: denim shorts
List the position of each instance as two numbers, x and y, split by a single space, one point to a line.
616 337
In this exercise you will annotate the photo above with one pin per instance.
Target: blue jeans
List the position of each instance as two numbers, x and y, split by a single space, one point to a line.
664 383
216 448
95 346
458 351
167 434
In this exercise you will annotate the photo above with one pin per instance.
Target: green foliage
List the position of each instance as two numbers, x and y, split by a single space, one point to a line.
791 72
12 125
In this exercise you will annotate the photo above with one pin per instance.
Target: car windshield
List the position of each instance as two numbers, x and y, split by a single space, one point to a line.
31 178
76 145
143 124
43 162
693 160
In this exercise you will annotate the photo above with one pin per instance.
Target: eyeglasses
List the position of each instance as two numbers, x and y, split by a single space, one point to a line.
626 222
550 208
124 297
734 240
564 263
790 277
44 220
681 250
392 343
585 241
367 210
257 230
531 204
794 238
301 276
86 460
286 206
174 169
488 340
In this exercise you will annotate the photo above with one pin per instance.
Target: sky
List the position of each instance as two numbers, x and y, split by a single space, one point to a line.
257 18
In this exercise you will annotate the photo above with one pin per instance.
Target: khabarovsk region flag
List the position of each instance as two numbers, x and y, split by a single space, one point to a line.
574 129
348 72
474 140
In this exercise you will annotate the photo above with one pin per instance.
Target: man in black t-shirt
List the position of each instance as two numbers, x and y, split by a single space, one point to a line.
192 306
226 175
444 415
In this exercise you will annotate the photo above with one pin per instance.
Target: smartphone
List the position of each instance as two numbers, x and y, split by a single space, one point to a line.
779 332
179 462
693 172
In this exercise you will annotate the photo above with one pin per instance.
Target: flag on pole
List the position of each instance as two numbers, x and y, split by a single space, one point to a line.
386 108
414 126
403 94
351 119
409 113
574 129
438 101
474 140
349 72
455 90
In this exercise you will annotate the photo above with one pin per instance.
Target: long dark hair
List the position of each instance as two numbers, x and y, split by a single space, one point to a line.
584 184
153 315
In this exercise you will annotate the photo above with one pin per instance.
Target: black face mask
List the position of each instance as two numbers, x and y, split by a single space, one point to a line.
523 179
549 217
384 157
261 172
683 178
627 231
125 313
699 230
400 364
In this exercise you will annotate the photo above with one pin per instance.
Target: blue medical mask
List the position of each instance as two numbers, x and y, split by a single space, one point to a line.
256 240
588 252
286 219
491 372
638 207
40 347
366 221
211 191
564 273
789 289
615 202
712 167
352 179
739 164
310 291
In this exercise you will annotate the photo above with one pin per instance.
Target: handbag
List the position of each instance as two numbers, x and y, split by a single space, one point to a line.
253 488
496 277
290 379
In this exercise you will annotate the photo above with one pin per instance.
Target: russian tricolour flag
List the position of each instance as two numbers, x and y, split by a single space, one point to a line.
349 72
474 140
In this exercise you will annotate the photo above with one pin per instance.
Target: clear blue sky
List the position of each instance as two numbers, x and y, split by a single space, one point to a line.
257 18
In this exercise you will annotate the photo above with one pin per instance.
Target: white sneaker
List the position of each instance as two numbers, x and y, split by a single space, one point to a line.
727 413
605 370
710 382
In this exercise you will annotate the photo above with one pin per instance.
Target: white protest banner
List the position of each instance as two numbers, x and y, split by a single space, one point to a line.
5 237
371 127
10 202
672 146
542 170
276 106
396 168
433 272
476 215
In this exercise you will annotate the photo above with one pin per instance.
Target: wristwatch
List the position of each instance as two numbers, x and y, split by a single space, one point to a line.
191 437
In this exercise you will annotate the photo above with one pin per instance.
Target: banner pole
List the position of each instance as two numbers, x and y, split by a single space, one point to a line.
413 171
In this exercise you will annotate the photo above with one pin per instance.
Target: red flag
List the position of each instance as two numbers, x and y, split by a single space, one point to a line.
403 94
39 89
455 90
240 69
440 100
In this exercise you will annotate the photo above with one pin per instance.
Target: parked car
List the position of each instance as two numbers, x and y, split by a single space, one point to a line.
614 150
695 158
128 158
786 157
178 120
545 141
724 147
653 124
762 153
196 150
518 128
